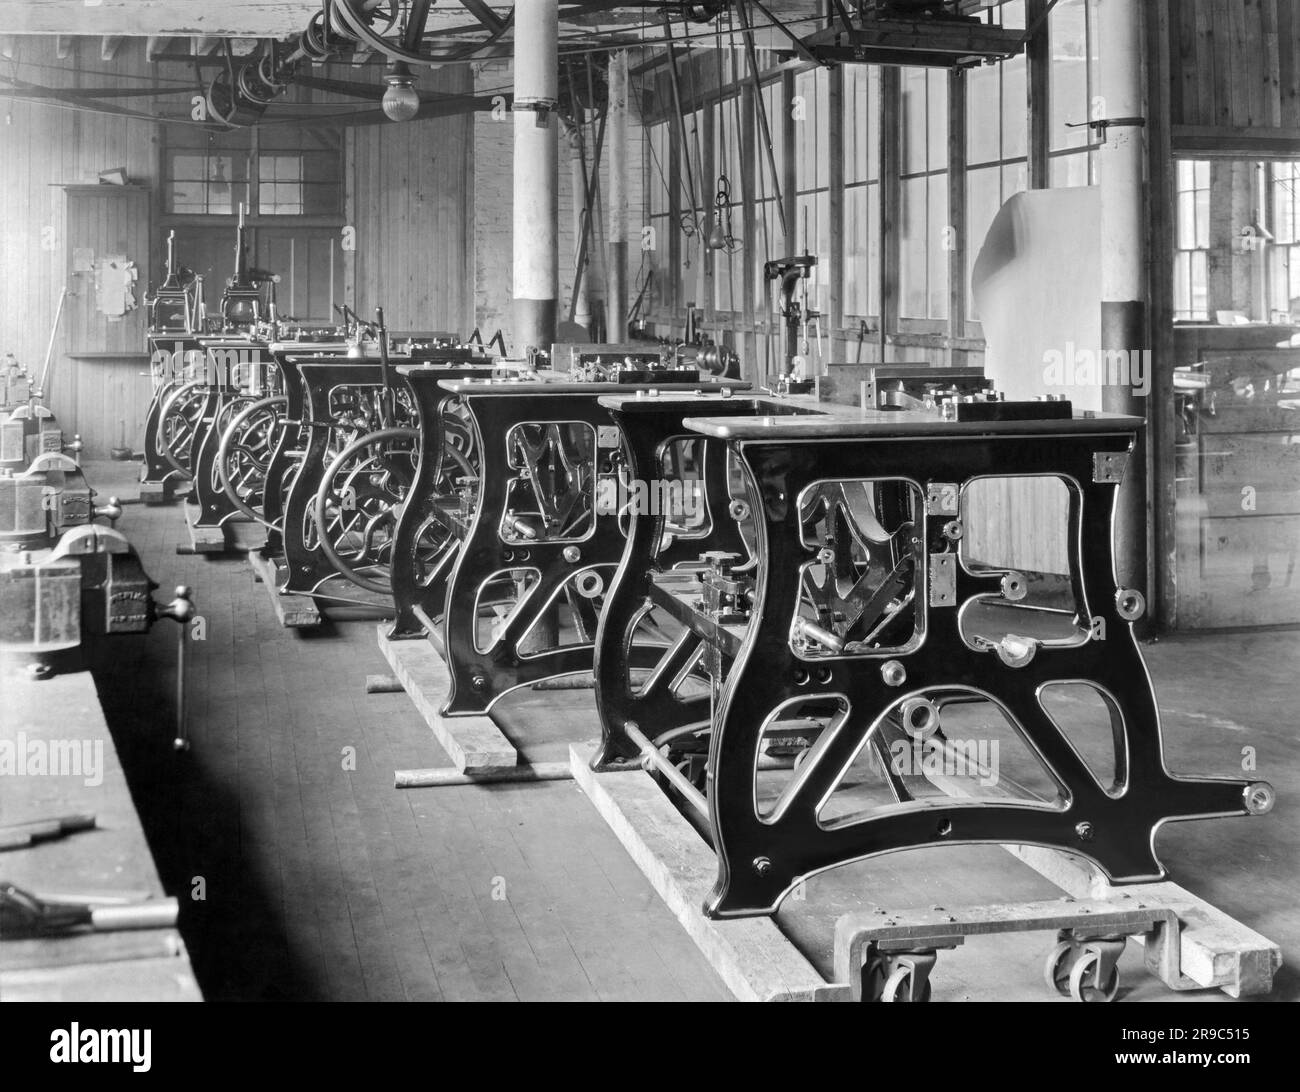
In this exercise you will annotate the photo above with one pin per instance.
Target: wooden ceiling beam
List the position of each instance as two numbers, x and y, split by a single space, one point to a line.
109 46
63 45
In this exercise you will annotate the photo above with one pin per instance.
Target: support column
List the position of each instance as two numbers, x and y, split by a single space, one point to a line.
616 294
536 173
581 212
1120 165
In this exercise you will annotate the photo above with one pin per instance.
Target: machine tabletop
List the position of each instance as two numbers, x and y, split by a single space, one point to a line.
848 424
563 384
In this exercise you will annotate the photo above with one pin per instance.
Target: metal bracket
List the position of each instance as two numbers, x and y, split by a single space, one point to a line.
943 580
1102 124
942 499
1109 466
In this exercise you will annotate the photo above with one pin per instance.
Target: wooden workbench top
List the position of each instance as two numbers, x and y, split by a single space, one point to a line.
59 720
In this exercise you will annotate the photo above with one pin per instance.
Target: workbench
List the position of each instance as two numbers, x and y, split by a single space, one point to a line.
111 860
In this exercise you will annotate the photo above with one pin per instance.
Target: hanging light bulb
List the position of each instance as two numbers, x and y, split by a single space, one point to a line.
717 237
401 100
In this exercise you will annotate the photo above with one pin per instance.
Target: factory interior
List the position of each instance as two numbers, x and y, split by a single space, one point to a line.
893 605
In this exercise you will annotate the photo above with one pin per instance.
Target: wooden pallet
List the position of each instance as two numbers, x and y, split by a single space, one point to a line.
472 743
294 611
751 955
758 962
203 540
152 493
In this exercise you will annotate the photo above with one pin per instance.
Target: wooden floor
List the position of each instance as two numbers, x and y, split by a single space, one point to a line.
327 883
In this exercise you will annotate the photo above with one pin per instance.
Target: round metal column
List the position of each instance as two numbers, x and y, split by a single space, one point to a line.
536 167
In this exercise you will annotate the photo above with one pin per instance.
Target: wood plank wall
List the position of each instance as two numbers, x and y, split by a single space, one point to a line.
409 195
1235 65
42 147
413 212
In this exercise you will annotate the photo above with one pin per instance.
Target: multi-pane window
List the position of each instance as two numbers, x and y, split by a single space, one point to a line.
727 197
280 185
1284 251
299 172
990 159
1192 240
207 174
997 143
1072 91
861 242
200 183
658 187
924 240
696 197
771 243
810 112
277 173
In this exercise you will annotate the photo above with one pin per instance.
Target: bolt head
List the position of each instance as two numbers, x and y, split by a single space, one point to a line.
1085 831
762 865
893 673
1259 798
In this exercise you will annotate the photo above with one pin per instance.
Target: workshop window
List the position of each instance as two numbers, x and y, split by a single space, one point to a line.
207 174
728 206
771 243
299 173
654 247
810 111
1072 92
1284 253
696 199
861 242
997 142
1192 240
281 173
924 239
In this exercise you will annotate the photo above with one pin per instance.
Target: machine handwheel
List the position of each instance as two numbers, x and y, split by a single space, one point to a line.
178 423
1083 980
358 502
245 454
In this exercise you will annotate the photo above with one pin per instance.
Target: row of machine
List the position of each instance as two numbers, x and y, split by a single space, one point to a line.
771 597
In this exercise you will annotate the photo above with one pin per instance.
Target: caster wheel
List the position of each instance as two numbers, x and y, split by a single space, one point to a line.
900 987
1083 986
1060 962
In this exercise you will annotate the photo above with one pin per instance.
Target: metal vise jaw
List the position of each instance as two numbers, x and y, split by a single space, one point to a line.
91 582
27 432
50 497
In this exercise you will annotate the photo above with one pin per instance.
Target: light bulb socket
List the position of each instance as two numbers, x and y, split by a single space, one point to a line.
401 100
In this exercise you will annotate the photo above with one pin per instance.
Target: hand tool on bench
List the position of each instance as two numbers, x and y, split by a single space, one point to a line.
24 914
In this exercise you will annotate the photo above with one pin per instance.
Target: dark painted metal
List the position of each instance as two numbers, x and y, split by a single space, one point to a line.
655 704
342 401
760 859
800 479
423 548
554 413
